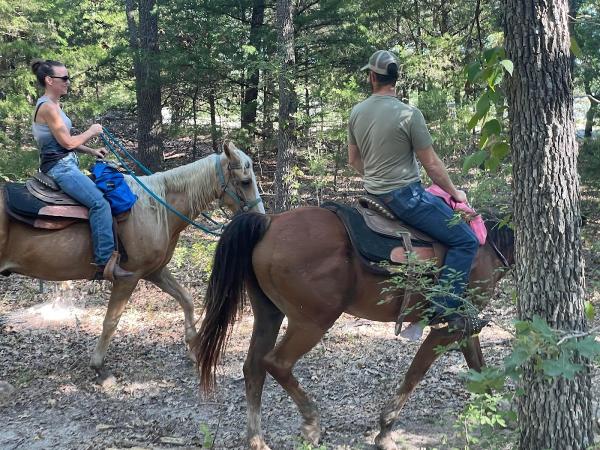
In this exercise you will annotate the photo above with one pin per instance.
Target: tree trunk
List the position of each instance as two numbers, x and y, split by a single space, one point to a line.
591 113
553 412
213 120
143 39
249 104
285 135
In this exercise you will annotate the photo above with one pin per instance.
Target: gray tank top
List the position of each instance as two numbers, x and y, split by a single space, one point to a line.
50 150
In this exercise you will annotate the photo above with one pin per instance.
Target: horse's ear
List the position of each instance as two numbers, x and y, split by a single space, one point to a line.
229 148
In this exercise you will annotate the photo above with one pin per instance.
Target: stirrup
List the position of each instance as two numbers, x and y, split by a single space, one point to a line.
469 325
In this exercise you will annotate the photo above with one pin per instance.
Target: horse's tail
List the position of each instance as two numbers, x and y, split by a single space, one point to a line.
225 295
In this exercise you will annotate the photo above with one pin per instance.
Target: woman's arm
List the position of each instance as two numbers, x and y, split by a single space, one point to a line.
49 112
97 152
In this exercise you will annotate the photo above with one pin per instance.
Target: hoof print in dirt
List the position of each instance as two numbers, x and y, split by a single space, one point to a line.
6 391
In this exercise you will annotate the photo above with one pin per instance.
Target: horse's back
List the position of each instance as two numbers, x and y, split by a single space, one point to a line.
305 264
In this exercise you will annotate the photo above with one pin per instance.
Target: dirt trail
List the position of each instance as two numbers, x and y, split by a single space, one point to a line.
45 346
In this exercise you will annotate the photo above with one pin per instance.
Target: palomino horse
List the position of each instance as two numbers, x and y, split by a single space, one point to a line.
300 264
149 236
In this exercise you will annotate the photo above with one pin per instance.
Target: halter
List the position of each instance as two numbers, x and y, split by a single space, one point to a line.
226 189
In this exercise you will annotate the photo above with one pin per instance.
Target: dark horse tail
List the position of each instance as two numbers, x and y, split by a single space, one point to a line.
225 294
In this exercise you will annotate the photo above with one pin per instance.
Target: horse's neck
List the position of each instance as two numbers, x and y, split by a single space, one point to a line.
192 194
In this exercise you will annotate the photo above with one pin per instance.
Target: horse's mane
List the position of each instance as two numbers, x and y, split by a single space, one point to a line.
502 235
196 181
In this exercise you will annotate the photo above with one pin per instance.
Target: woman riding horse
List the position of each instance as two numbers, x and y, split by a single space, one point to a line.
52 132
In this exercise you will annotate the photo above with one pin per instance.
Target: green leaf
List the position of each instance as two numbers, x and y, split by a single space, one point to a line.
508 66
517 358
542 327
475 160
561 367
575 48
492 164
492 53
590 311
473 122
500 150
588 347
483 105
491 127
472 70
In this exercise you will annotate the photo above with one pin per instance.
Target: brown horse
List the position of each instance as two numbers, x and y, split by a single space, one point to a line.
149 236
301 264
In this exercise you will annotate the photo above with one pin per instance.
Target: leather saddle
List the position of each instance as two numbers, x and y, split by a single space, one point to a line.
40 203
381 220
381 239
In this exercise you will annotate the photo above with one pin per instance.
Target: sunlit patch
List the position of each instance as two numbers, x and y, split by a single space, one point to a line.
59 309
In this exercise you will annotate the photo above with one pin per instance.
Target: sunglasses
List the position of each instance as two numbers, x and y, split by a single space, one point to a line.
64 78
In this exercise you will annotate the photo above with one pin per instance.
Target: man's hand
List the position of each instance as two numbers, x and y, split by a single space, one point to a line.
98 152
460 196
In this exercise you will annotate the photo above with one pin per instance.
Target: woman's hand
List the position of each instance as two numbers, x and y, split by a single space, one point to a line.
95 129
98 152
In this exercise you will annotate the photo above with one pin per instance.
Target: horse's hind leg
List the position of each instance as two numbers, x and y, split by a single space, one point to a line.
426 355
299 338
471 349
267 321
119 295
167 283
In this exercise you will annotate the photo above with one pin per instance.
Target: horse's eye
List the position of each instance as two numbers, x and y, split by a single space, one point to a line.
246 182
247 165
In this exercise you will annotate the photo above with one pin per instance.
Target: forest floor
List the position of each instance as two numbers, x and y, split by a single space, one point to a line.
46 339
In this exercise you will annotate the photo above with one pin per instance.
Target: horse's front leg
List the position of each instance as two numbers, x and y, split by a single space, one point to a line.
119 296
164 280
426 355
471 349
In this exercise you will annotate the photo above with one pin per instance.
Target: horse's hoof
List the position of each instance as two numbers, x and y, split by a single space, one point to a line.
385 443
311 432
257 443
105 379
191 355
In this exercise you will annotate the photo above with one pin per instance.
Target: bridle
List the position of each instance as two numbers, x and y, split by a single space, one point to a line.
232 192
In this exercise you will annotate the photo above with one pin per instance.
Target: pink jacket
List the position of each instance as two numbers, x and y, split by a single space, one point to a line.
476 222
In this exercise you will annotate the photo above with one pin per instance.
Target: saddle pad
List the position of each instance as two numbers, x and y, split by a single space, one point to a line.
373 247
19 200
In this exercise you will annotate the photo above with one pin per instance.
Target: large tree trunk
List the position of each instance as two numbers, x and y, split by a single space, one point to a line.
249 104
554 413
285 135
143 38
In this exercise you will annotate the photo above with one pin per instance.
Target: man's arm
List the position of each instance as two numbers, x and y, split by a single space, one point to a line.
354 159
436 170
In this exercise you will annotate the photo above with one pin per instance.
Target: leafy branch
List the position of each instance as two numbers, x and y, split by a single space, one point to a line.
488 73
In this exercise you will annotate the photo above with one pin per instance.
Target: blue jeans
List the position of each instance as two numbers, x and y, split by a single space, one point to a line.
430 214
67 175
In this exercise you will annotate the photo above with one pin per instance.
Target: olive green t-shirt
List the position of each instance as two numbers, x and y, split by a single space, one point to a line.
387 133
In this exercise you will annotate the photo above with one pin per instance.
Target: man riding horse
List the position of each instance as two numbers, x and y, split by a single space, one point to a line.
386 137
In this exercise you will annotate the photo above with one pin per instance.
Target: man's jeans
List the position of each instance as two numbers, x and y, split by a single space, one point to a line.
430 214
67 175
